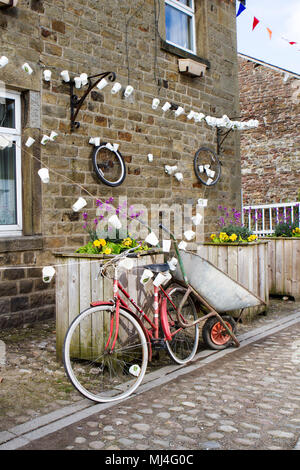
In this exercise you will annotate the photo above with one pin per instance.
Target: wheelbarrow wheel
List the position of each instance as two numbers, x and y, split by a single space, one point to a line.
214 334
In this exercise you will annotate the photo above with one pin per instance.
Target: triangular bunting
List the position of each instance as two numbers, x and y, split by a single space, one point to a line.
292 43
255 23
270 33
241 9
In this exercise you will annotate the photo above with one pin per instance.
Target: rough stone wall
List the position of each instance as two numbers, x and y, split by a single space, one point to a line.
89 36
270 154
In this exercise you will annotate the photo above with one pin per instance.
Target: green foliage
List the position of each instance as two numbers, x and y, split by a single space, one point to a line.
241 231
285 229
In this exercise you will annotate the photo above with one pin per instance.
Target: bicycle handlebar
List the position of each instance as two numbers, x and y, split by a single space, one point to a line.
116 259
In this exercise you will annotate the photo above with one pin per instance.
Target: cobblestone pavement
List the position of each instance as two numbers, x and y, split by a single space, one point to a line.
246 400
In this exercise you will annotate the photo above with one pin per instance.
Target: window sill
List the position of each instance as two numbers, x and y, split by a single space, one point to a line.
182 53
22 243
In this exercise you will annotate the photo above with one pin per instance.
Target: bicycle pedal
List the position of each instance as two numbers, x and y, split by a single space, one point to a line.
158 344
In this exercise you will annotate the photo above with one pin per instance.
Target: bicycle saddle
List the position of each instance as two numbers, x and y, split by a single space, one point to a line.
157 268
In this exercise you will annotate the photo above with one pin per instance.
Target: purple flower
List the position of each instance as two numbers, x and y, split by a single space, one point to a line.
85 215
101 217
95 221
99 203
84 226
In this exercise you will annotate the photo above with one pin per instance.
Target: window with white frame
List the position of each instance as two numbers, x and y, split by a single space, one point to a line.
10 164
180 24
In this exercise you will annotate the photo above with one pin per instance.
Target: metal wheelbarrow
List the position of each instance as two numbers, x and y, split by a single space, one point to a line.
217 293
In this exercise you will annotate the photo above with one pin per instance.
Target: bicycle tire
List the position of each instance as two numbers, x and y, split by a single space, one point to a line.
214 334
99 375
109 165
205 156
183 346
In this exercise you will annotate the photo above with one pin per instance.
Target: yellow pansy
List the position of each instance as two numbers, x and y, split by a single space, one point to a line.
127 241
107 251
224 237
233 237
102 242
97 243
213 236
252 238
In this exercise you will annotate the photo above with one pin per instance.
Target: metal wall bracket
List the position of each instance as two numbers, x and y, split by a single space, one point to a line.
76 103
221 136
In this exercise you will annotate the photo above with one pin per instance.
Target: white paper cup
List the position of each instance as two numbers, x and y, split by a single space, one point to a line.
47 75
166 245
126 263
3 61
115 222
116 88
109 147
197 219
150 157
29 142
179 176
26 67
79 204
166 106
44 175
182 245
92 141
116 147
48 273
134 370
179 111
209 181
155 103
201 168
97 141
152 239
102 84
45 139
78 82
3 143
65 75
84 78
189 235
173 263
191 115
53 135
202 202
146 277
128 91
206 167
160 279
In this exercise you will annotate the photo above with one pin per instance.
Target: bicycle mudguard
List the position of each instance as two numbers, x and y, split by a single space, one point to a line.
145 331
164 320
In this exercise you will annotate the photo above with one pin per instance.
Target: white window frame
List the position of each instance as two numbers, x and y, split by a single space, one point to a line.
190 11
15 135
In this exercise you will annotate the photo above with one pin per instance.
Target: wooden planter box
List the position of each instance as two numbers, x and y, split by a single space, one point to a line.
77 287
284 266
244 263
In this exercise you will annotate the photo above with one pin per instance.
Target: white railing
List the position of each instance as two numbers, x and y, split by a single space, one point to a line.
261 219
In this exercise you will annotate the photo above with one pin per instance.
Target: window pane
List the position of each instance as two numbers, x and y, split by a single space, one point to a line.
178 27
7 112
186 2
8 199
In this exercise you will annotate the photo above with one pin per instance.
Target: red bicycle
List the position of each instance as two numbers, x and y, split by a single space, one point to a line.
107 346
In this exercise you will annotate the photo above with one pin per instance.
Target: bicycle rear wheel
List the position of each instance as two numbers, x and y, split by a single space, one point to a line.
99 373
183 345
109 166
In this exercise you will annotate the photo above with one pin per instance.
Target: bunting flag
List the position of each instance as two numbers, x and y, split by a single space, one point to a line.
241 9
255 23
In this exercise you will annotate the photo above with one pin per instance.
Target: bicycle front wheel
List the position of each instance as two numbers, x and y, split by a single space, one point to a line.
109 166
97 370
207 166
183 345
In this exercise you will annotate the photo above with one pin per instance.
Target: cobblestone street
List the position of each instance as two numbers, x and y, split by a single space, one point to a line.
247 400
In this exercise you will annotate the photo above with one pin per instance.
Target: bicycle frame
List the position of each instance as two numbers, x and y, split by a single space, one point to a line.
160 315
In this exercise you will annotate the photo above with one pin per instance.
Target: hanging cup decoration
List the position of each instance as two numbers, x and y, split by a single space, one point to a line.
44 175
79 204
47 75
48 273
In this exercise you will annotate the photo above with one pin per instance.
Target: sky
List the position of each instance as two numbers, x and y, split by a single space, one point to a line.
283 18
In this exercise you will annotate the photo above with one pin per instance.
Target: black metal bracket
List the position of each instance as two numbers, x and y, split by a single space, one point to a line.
221 137
76 103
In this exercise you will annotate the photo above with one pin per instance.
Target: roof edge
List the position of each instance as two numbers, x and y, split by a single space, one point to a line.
266 64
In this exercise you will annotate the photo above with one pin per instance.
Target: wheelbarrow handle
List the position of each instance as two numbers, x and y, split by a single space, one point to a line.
177 253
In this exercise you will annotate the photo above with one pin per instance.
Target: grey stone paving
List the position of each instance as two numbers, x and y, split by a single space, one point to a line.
247 400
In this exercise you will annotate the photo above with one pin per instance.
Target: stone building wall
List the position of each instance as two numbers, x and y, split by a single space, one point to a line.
270 154
89 36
